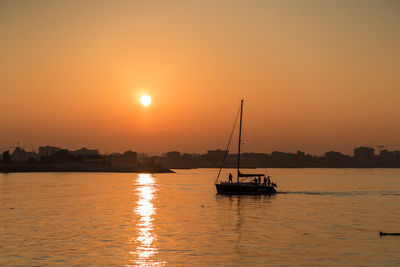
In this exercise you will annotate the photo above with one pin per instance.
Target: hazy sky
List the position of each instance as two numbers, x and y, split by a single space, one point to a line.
315 75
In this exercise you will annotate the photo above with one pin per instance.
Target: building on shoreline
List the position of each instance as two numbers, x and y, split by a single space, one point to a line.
363 157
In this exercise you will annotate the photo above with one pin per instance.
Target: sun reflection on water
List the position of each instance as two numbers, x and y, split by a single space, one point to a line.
145 238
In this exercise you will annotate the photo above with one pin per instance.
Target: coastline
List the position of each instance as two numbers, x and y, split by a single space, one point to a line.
17 168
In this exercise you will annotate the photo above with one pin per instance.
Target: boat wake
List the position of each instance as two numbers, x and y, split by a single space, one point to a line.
342 193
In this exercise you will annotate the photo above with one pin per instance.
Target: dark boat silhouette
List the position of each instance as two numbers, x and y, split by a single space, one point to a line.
383 233
260 184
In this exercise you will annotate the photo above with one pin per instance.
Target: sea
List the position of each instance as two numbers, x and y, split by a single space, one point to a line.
320 217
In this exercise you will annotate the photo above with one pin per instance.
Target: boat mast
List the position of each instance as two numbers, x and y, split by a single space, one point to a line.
240 139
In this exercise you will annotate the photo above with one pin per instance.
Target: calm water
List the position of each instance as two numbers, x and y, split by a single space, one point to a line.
323 217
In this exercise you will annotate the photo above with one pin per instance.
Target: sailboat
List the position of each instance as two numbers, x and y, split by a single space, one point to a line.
246 184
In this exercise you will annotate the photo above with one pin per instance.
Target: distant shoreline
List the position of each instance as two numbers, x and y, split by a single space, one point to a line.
6 168
37 171
13 168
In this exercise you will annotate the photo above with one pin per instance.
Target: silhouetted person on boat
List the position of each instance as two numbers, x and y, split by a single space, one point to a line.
230 177
265 180
255 180
269 181
259 179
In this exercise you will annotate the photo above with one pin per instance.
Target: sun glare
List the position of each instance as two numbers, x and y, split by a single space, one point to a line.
145 100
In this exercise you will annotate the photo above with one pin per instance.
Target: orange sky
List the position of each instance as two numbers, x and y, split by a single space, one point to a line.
316 75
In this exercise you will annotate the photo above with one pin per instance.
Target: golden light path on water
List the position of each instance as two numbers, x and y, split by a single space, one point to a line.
145 237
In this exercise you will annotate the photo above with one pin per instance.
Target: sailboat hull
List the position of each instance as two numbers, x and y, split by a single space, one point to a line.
244 189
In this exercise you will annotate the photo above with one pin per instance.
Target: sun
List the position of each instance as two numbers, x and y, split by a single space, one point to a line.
145 100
